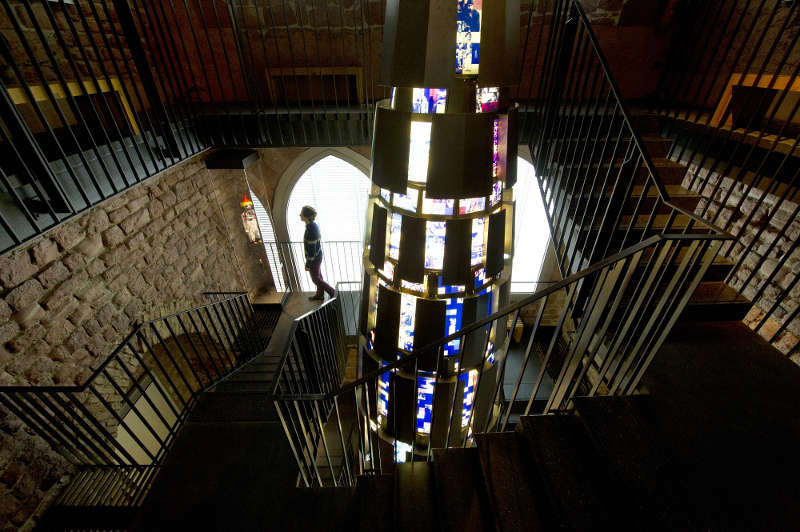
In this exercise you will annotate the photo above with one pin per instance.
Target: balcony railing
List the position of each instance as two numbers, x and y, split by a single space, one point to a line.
342 262
123 418
601 190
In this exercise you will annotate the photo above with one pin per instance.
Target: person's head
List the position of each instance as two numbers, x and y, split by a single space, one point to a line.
308 213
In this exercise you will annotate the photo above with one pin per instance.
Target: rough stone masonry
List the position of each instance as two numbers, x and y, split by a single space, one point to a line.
69 297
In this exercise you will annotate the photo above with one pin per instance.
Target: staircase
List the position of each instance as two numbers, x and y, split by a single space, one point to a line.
220 361
690 456
604 467
619 181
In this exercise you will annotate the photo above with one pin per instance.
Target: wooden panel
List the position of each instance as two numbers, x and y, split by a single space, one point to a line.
508 139
499 60
388 319
390 146
460 164
475 308
377 238
402 407
411 261
429 326
363 311
404 43
440 57
495 243
458 244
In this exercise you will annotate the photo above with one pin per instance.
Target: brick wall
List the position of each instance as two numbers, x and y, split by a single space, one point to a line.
68 298
771 230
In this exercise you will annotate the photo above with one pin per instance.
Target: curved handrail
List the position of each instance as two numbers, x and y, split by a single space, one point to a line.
138 328
505 311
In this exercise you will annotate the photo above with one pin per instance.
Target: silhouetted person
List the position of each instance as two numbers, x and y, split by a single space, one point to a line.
312 242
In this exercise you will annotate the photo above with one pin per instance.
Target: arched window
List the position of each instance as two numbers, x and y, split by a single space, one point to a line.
532 233
339 192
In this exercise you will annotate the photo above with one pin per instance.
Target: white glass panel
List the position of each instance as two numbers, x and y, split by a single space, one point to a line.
434 244
418 152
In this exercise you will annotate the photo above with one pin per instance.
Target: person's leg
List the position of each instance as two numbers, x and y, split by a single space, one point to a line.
316 276
321 284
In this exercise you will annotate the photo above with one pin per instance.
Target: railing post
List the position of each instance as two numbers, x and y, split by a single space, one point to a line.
139 57
31 158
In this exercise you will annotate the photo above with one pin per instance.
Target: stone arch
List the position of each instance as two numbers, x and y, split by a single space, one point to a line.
296 169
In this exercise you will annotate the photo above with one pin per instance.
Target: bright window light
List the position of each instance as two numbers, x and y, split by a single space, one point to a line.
531 233
418 152
339 192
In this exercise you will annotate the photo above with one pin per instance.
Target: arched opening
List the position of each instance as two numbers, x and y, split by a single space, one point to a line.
339 192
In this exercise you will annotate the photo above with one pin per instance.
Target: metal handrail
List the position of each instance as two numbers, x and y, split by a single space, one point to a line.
128 411
504 312
637 138
136 330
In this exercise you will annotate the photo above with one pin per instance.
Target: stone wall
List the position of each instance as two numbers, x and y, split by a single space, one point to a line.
767 240
69 297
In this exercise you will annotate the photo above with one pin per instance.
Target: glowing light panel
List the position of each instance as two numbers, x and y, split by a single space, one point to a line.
468 36
425 404
437 206
418 152
394 236
429 100
408 311
477 241
434 245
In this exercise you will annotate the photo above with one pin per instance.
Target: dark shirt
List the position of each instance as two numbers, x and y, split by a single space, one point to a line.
473 20
311 242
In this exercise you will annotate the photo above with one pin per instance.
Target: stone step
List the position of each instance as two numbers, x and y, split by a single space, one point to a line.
414 498
461 498
584 206
577 484
588 146
234 407
715 301
516 494
650 488
376 503
669 171
320 510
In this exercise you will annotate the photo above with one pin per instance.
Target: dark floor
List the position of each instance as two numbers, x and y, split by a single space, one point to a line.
723 399
727 402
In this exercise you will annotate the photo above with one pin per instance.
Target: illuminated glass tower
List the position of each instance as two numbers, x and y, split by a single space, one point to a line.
440 219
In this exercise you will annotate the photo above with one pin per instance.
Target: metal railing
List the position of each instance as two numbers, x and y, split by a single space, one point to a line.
267 73
82 118
342 262
599 344
127 413
728 97
601 190
313 362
